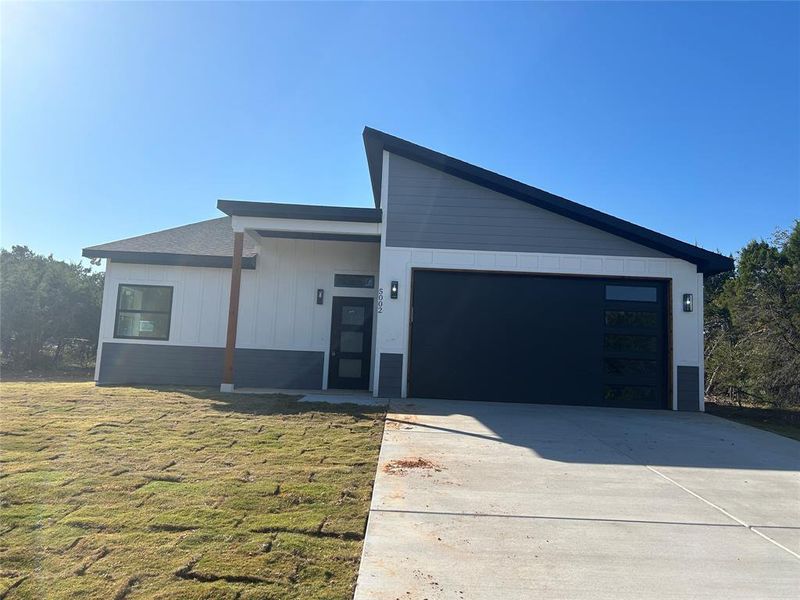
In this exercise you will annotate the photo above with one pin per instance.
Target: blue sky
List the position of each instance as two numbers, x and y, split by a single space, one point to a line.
125 118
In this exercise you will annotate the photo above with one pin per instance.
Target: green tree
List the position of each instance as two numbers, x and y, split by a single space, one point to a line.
753 323
44 304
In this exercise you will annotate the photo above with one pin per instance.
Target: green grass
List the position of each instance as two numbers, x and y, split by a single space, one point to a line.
175 493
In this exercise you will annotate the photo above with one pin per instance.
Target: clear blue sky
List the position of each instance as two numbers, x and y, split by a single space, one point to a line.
122 119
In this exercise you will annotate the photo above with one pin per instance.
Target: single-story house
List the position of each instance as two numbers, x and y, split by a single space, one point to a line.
460 283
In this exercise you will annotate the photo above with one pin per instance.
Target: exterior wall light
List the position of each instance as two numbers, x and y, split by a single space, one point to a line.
393 290
688 303
320 296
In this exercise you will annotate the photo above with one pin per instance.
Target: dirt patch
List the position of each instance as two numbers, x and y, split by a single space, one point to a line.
401 422
390 424
403 465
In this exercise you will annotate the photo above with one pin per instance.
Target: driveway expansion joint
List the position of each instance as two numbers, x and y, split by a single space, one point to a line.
538 500
688 491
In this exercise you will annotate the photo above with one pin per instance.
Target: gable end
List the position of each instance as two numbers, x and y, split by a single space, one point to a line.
428 208
376 142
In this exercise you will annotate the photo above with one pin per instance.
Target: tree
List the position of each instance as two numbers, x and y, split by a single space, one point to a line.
45 303
753 323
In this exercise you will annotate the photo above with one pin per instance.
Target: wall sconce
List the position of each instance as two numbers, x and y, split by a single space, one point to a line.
688 303
393 290
320 296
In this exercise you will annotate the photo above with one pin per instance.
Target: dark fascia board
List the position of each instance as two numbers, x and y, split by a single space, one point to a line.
306 212
328 237
163 258
376 141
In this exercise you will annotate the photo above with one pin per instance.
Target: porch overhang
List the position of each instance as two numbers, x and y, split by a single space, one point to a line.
273 210
295 221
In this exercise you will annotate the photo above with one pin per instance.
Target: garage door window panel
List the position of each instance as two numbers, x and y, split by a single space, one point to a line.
632 293
630 367
632 319
630 395
638 344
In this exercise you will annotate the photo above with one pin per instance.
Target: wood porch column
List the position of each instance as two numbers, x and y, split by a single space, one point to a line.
233 312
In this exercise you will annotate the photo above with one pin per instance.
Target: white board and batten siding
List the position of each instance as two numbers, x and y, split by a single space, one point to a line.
278 308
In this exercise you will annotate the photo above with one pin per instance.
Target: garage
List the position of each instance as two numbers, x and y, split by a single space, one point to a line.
508 337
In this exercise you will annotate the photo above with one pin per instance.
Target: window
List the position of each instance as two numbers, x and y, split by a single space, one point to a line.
633 293
630 367
350 367
353 315
631 318
354 281
631 343
629 395
351 341
143 312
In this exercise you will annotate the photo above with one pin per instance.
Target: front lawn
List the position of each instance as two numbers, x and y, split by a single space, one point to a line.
132 493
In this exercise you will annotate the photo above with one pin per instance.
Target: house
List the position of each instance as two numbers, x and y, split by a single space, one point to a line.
460 283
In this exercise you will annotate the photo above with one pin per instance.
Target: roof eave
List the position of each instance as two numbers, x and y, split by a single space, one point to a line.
169 259
241 208
719 264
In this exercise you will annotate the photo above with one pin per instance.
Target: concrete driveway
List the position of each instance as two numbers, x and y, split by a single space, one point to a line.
480 500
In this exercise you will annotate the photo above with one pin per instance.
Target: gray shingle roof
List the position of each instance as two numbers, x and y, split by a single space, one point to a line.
207 243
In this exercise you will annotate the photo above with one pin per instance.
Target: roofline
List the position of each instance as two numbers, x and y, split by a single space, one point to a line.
165 258
241 208
375 142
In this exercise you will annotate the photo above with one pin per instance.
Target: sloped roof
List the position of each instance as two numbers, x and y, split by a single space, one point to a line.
203 244
375 142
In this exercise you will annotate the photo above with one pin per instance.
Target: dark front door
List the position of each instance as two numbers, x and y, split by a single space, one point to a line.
351 343
536 338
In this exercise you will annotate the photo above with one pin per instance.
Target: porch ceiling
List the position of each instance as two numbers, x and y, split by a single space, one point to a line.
308 228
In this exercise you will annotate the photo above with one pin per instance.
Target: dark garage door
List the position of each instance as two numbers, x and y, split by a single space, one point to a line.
523 338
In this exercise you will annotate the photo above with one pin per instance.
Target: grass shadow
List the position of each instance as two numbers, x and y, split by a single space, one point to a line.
76 375
783 422
264 404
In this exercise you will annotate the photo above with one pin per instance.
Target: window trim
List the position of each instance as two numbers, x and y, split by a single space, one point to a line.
118 310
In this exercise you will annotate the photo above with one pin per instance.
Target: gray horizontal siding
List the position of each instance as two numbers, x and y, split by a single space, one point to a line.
158 364
688 388
431 209
390 376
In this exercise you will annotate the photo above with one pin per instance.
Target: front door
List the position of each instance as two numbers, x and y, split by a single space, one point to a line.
351 343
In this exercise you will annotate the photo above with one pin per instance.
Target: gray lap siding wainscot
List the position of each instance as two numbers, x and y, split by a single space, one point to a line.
390 376
161 364
688 388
